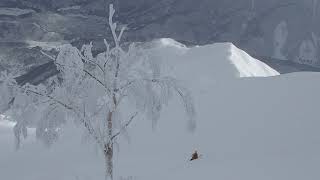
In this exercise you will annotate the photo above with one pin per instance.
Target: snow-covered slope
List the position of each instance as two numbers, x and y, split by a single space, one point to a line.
248 66
247 128
219 59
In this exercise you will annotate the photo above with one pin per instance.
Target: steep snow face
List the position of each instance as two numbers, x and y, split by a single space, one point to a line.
248 66
247 128
232 61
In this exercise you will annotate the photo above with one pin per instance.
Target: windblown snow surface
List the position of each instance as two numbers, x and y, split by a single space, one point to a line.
251 125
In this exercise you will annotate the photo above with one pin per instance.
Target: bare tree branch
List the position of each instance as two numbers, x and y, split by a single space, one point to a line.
96 79
49 56
86 124
124 126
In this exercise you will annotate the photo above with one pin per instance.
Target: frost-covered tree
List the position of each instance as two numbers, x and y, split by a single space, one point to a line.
308 52
102 94
314 9
253 2
280 36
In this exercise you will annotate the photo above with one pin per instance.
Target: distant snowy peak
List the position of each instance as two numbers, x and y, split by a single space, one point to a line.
218 61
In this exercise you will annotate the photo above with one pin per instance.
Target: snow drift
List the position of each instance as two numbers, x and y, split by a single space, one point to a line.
247 128
221 59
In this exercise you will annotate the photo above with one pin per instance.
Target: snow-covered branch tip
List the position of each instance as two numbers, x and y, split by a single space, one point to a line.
47 55
113 27
124 126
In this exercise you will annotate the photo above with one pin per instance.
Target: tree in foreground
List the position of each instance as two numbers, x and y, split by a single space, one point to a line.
103 94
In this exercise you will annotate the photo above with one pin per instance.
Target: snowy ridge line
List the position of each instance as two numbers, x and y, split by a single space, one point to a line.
249 66
246 65
221 55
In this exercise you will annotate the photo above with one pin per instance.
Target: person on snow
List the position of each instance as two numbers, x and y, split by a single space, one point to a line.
194 156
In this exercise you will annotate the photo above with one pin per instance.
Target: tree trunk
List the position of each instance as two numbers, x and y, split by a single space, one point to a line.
108 149
108 156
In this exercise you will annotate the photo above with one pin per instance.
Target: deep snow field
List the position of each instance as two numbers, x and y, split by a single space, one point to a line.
252 124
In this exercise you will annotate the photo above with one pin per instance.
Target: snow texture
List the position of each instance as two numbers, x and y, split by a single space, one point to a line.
69 8
247 128
48 46
15 11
